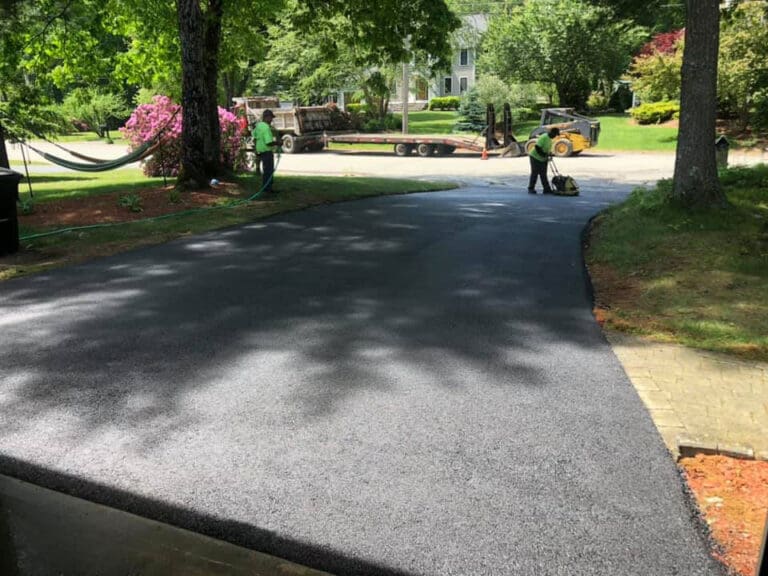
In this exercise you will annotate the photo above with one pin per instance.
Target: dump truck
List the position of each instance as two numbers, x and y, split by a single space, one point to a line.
301 128
577 132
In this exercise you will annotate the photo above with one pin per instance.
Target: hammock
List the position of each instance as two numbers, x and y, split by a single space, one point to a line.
97 165
146 149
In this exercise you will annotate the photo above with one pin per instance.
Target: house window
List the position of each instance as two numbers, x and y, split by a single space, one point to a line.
448 85
462 85
464 57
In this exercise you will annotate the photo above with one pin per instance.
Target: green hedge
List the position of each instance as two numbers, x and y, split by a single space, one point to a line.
655 112
522 114
444 103
357 108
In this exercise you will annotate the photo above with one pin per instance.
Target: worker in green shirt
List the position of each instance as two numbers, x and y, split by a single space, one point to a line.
265 142
539 158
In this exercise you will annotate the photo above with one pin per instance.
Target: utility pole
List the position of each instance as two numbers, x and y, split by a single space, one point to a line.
404 95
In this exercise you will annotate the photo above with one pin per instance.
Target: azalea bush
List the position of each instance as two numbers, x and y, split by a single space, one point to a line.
164 118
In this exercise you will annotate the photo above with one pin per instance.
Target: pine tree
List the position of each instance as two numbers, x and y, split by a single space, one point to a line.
472 113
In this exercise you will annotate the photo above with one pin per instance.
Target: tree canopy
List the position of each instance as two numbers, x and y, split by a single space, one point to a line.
571 44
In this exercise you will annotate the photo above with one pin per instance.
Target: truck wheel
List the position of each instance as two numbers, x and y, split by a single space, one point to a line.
289 144
425 150
529 145
562 148
402 149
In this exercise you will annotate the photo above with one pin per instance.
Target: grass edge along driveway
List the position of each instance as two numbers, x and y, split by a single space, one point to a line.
694 278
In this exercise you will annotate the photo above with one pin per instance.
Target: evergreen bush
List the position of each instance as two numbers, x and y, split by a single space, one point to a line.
655 112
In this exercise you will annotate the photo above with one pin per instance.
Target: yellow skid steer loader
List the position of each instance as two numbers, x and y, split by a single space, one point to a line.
577 132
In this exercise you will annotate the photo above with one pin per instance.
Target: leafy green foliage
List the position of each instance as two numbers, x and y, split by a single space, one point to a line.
597 102
492 90
658 15
655 112
310 60
94 108
377 30
131 201
657 76
742 71
571 44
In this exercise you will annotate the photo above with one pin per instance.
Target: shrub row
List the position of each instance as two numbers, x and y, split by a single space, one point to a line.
445 103
655 112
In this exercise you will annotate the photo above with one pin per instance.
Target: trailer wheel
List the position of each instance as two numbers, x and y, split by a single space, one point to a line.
562 148
402 149
315 147
425 150
289 144
444 149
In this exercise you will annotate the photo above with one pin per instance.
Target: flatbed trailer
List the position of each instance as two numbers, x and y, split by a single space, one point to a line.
423 144
312 128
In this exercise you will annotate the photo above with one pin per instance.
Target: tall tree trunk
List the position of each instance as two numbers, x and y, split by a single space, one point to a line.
696 182
200 35
213 18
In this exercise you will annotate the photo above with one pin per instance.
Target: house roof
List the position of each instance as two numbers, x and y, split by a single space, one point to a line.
477 22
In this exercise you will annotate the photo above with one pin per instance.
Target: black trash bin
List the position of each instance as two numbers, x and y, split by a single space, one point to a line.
9 224
721 151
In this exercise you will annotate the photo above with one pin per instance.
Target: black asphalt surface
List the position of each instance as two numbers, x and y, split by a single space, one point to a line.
401 385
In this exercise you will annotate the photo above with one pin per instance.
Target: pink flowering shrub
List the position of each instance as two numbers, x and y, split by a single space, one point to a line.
162 115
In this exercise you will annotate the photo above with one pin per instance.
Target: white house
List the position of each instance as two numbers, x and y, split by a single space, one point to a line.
454 82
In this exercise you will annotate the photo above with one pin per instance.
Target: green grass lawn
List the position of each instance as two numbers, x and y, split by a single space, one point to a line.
432 122
619 132
59 185
696 278
115 135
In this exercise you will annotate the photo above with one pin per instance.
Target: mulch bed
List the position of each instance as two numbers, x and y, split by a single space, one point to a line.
106 208
733 497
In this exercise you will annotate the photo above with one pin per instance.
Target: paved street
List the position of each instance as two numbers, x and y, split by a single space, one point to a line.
402 385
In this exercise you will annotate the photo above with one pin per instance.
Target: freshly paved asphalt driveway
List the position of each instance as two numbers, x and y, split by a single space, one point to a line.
403 385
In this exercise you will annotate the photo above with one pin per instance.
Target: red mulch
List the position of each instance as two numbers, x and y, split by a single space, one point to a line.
105 208
733 496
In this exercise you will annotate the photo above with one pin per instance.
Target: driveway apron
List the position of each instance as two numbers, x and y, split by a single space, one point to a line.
402 385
